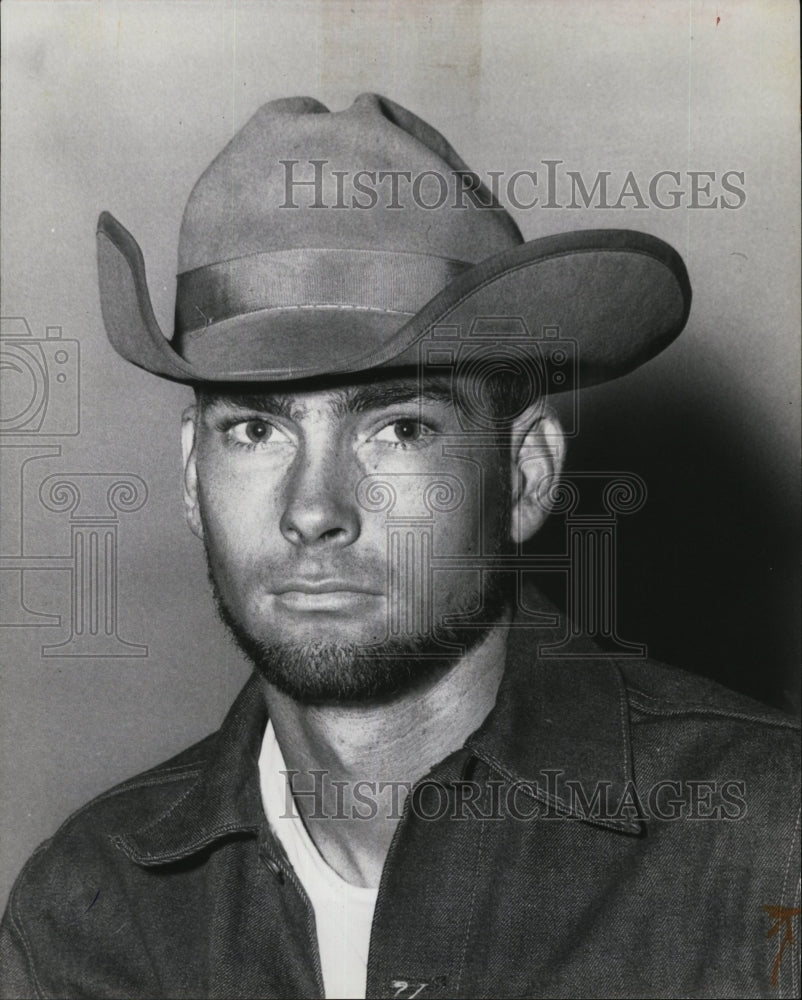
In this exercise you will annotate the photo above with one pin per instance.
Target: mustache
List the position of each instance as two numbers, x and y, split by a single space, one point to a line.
315 572
365 575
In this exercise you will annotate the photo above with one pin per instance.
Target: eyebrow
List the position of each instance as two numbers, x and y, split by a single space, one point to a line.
348 400
375 396
273 404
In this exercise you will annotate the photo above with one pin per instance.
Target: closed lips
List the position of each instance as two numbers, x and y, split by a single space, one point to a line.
323 587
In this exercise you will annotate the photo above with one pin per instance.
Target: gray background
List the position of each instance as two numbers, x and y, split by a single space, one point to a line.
120 106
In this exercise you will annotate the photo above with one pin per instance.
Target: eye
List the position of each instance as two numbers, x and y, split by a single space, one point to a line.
404 431
254 433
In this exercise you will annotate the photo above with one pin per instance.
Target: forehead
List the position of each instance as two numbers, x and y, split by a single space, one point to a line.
340 398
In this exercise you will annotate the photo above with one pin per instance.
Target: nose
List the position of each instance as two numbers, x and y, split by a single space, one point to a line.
320 502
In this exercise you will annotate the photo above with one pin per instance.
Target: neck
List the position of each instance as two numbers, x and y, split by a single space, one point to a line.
396 742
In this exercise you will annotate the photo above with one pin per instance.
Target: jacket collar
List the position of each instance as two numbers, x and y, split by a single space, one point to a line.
224 799
560 728
555 721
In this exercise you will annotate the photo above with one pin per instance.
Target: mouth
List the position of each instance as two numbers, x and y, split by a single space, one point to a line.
310 586
324 595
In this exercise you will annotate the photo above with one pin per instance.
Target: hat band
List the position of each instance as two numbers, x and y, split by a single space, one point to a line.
375 280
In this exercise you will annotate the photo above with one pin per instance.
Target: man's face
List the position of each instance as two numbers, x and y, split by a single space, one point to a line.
321 512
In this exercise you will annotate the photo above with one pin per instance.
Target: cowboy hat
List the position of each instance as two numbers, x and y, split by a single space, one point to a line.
295 262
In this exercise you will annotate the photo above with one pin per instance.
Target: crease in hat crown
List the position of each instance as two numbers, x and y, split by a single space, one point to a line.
275 282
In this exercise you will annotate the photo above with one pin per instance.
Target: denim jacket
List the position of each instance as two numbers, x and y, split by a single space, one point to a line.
613 829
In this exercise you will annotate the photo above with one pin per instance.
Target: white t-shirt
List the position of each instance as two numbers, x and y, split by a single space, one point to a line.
343 912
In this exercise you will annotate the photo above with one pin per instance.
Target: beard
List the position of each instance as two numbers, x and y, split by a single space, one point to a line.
319 672
325 671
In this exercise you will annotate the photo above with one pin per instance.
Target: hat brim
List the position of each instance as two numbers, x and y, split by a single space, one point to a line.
620 296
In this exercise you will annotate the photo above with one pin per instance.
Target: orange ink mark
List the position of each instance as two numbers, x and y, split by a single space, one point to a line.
782 917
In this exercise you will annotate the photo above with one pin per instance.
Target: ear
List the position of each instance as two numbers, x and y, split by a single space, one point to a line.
538 451
189 420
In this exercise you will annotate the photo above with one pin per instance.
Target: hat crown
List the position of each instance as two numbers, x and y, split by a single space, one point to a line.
372 177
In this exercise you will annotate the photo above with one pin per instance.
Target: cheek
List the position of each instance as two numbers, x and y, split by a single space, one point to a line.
459 532
475 523
237 516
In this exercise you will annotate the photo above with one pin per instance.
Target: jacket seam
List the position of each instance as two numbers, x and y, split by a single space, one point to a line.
794 967
795 974
163 775
164 815
698 709
550 800
128 786
788 862
167 769
122 842
19 925
148 782
472 909
626 762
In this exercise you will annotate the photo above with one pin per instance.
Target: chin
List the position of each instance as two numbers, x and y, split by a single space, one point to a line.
281 629
340 671
336 658
319 673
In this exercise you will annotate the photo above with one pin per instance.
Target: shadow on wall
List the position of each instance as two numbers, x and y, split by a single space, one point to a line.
708 571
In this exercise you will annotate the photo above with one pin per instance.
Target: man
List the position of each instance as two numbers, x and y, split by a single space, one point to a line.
427 788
